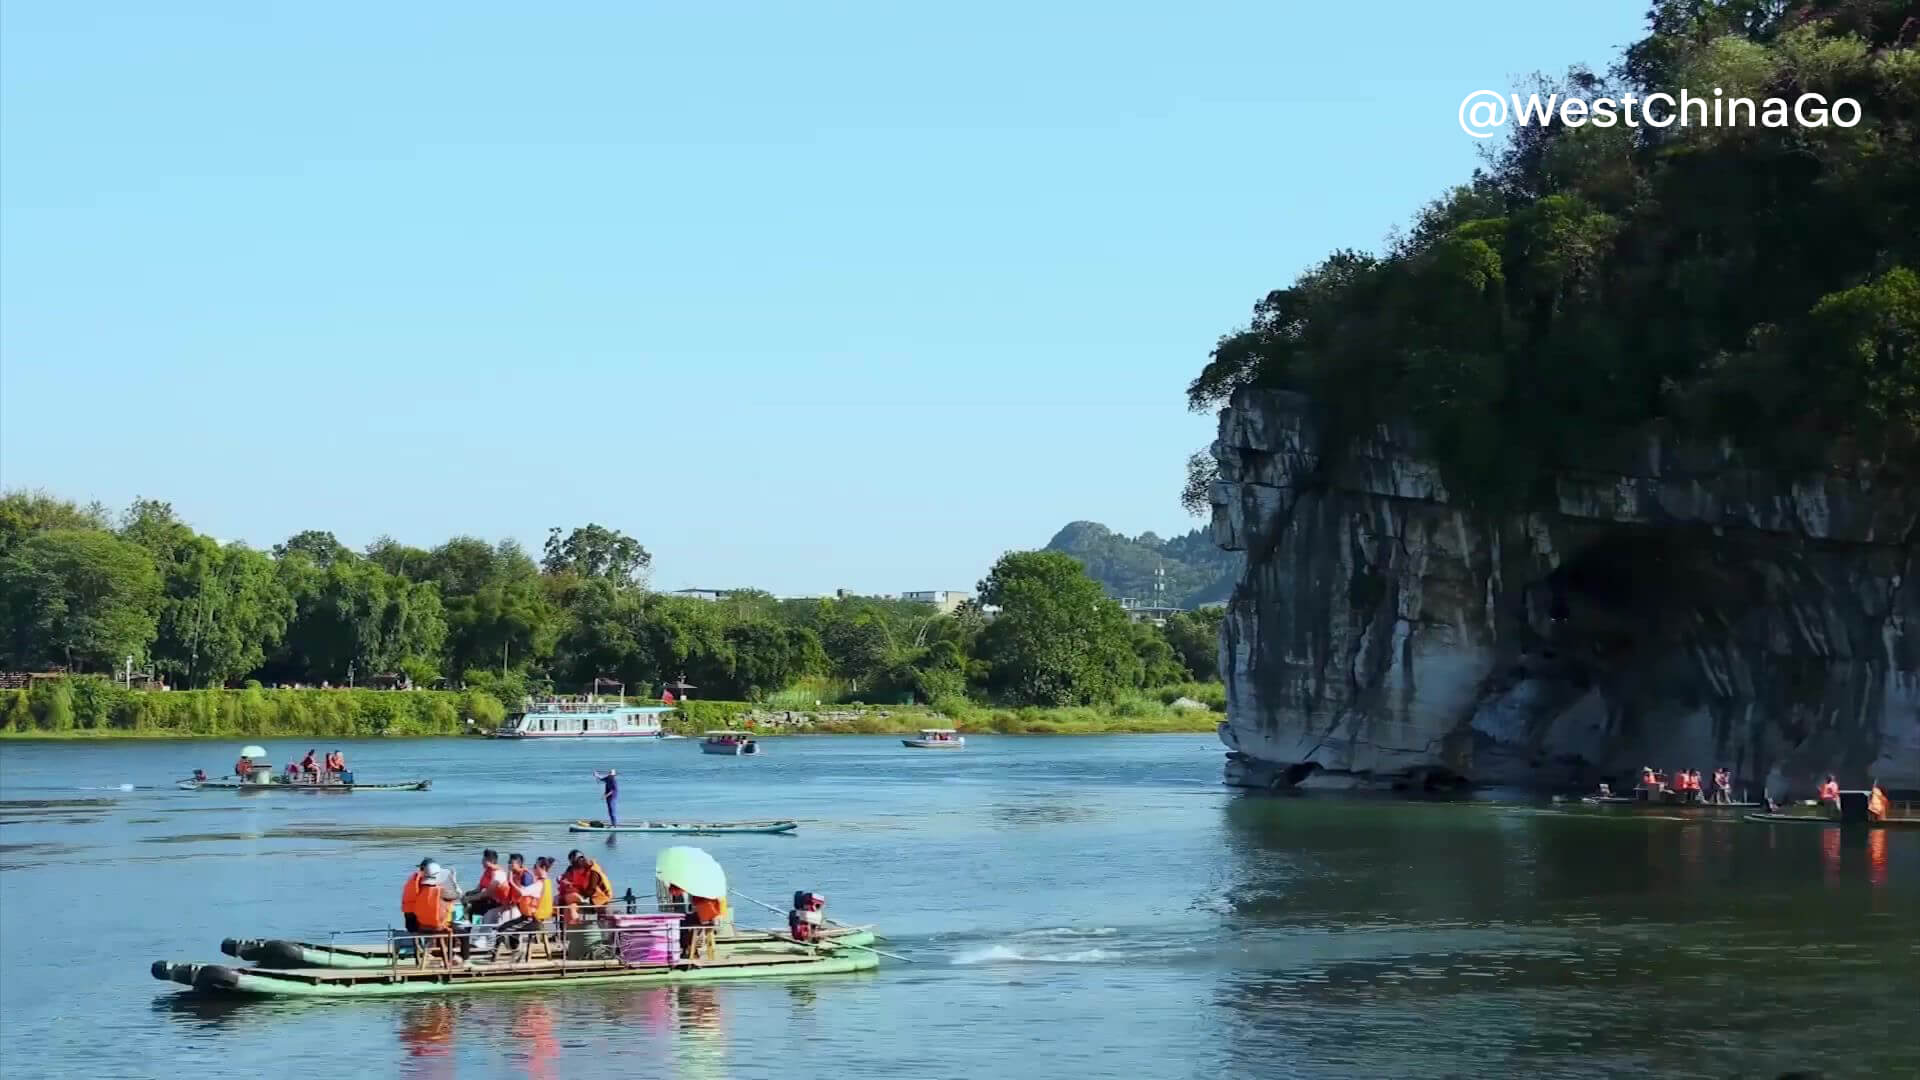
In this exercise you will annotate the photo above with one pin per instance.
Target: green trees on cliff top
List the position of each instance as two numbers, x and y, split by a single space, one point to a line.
81 592
1753 282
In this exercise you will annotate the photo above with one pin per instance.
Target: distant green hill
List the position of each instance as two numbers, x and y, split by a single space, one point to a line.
1196 571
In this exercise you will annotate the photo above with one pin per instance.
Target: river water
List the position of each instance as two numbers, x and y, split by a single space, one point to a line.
1074 907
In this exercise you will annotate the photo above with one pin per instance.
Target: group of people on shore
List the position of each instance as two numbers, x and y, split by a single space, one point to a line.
522 897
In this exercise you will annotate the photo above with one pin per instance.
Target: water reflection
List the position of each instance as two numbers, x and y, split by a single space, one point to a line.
1554 939
701 1050
427 1032
533 1029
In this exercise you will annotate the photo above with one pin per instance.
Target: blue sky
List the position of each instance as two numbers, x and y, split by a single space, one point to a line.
801 296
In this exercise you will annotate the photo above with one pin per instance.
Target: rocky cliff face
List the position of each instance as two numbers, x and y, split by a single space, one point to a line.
1676 609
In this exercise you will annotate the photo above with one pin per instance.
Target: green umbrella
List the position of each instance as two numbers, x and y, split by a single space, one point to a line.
693 870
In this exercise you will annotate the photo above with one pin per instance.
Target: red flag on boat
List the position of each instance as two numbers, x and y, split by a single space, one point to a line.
666 696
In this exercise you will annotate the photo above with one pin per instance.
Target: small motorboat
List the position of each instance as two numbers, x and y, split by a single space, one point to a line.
729 743
706 828
937 739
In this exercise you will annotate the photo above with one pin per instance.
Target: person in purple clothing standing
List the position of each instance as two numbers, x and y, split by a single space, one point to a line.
612 793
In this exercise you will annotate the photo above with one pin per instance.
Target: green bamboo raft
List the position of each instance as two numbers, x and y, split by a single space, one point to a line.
286 955
1810 819
755 962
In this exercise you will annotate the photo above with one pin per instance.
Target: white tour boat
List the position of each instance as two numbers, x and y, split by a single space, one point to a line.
587 716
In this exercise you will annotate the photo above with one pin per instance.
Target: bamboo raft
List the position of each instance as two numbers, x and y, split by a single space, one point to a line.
282 785
281 954
1811 819
688 828
1656 804
766 961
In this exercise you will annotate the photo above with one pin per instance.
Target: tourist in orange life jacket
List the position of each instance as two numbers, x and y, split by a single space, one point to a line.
584 885
243 768
702 912
1877 803
410 889
433 899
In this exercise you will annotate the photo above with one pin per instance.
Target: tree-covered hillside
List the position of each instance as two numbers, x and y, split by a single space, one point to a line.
1197 572
1753 282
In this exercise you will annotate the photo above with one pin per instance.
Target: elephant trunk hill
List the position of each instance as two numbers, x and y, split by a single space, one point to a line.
1673 607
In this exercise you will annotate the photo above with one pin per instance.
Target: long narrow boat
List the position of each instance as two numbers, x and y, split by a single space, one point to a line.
1652 804
1810 819
688 828
281 954
281 785
765 961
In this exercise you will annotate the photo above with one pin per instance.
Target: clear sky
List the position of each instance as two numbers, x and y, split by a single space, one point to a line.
802 296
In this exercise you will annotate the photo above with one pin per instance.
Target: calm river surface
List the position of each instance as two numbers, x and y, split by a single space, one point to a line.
1075 907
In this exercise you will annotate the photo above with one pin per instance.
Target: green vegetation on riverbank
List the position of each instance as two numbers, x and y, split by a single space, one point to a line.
82 593
90 708
1753 281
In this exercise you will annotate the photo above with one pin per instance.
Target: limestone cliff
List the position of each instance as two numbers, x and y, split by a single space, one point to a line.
1676 608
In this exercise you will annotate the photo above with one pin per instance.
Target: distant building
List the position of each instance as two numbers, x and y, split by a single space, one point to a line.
943 600
701 594
1147 610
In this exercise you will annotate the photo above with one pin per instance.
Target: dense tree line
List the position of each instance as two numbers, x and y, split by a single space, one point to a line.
1753 282
82 591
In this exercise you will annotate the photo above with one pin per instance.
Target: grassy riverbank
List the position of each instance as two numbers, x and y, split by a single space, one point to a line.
97 709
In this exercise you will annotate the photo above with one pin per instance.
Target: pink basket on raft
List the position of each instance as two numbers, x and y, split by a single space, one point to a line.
647 940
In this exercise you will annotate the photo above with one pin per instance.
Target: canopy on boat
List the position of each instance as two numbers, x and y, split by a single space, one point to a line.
723 734
254 753
693 870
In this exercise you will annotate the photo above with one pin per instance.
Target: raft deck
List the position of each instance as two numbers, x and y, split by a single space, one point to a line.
281 954
759 962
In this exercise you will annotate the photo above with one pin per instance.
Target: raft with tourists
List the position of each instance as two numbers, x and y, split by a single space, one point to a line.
283 954
581 941
937 739
255 772
1869 809
729 743
688 828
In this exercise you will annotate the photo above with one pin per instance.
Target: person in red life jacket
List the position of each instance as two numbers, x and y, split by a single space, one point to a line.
310 767
243 768
1830 791
486 895
1648 778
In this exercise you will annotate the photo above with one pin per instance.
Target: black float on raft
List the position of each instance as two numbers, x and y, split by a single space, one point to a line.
198 976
